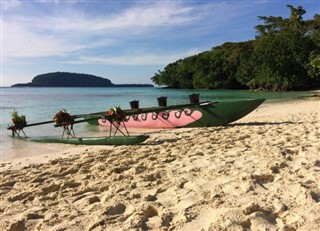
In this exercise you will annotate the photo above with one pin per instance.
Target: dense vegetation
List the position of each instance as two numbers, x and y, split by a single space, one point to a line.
67 79
285 55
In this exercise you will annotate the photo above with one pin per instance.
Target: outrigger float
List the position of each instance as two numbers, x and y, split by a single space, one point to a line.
66 121
107 140
194 114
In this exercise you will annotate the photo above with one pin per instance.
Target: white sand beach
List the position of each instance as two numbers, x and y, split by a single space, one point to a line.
260 173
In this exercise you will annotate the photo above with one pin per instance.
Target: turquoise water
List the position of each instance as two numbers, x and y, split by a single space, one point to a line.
41 104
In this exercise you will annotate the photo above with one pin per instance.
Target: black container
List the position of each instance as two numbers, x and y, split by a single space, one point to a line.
194 98
162 101
134 104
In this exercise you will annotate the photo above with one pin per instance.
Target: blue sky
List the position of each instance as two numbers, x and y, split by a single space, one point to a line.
124 41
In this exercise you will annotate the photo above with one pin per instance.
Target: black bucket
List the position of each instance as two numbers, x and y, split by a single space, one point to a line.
134 104
162 101
194 98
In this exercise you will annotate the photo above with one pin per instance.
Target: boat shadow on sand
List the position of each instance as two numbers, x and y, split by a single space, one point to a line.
219 128
262 123
162 141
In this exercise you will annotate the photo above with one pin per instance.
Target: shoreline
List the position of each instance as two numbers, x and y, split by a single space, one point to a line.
61 150
260 172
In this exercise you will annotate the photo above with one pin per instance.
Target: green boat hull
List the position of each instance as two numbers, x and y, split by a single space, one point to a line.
113 140
207 114
223 113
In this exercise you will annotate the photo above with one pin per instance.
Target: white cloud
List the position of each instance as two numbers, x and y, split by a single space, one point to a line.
141 18
49 1
28 37
9 4
135 59
168 14
72 30
18 41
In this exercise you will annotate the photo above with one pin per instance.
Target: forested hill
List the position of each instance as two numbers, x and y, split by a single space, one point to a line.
284 56
67 79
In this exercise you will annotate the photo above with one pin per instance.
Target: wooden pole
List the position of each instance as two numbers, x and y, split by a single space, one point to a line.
39 123
147 109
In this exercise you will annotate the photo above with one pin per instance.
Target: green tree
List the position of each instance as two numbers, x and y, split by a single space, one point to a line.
280 61
284 56
276 24
314 64
168 76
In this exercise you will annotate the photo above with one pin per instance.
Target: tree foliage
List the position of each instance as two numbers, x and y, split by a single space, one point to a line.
284 56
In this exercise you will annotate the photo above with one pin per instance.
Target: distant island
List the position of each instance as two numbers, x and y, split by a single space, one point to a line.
67 79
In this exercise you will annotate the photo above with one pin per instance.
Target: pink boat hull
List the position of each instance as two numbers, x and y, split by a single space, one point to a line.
163 120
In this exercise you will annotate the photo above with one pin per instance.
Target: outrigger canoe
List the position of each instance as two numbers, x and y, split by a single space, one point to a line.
112 140
203 114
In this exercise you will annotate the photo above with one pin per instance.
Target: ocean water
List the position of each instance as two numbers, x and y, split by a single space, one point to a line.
41 104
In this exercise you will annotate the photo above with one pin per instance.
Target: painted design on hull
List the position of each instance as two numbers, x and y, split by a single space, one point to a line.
166 119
